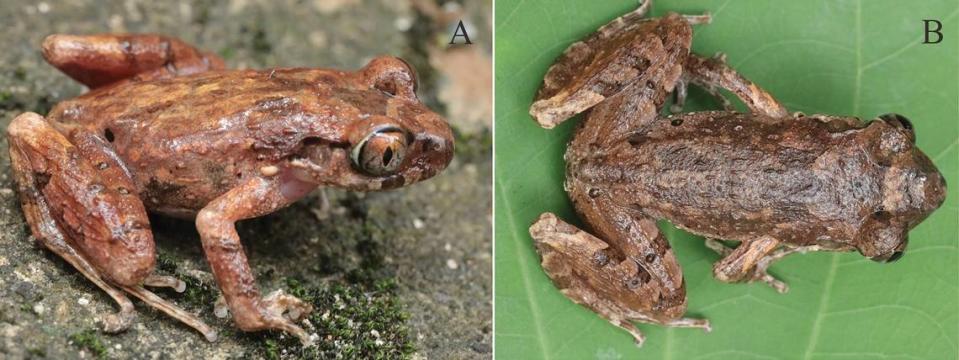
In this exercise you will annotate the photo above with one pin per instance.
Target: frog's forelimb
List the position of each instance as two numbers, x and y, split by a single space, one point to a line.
221 243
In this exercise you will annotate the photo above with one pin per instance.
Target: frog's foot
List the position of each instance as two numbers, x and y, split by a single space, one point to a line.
97 60
748 262
698 19
172 310
220 307
323 211
279 305
154 280
761 274
690 323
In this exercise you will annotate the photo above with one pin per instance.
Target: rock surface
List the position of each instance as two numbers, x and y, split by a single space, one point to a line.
405 273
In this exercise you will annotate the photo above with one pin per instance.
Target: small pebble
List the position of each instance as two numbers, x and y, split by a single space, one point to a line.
418 224
452 264
447 247
39 309
118 346
6 191
83 301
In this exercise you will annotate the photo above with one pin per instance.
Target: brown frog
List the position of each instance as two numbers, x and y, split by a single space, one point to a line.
166 129
776 182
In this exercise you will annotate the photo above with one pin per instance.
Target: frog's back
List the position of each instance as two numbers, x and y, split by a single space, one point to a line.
730 176
189 139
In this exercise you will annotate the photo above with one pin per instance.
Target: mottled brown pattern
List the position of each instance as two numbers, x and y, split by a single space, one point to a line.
777 183
166 129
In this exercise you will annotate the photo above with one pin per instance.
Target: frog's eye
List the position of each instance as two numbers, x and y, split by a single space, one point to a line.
413 75
395 76
900 122
381 152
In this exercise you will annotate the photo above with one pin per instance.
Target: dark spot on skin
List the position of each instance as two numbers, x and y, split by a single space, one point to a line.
594 192
96 187
310 142
108 134
41 180
160 190
641 278
881 214
123 190
676 122
600 258
636 139
102 166
650 257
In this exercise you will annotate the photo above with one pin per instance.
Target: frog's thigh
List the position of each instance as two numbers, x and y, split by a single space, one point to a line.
568 253
223 249
97 60
712 72
38 154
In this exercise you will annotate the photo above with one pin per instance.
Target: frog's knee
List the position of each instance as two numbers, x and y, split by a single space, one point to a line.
134 272
130 261
25 124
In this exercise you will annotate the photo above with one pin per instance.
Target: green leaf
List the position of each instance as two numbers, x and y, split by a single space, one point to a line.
861 58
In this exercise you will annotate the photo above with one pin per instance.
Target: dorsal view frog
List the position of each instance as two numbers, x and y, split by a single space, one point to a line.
778 183
165 128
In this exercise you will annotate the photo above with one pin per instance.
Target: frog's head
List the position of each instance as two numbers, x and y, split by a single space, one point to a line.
390 139
911 188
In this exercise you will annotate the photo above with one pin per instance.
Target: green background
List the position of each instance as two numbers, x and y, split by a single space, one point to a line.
861 58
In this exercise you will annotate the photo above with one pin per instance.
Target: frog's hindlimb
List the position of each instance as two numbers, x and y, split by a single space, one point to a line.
81 204
591 274
223 249
97 60
748 262
37 153
713 72
172 310
171 282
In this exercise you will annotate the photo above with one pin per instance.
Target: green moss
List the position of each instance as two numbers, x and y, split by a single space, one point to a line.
356 312
227 53
473 147
352 321
198 294
88 339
